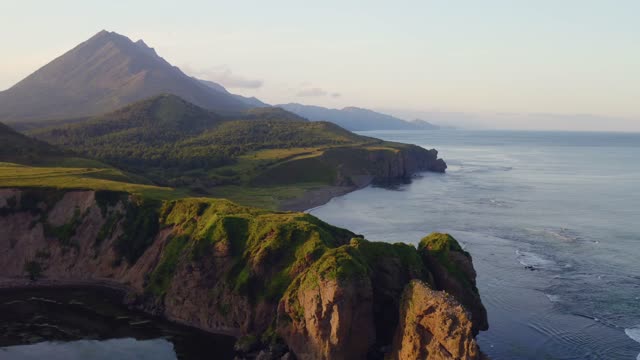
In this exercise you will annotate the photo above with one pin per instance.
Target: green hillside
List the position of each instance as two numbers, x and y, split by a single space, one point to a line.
27 162
261 157
176 143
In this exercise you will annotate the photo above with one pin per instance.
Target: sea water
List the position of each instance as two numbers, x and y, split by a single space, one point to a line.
72 323
552 220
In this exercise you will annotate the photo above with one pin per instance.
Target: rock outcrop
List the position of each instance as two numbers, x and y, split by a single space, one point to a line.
346 304
330 319
453 272
277 280
433 325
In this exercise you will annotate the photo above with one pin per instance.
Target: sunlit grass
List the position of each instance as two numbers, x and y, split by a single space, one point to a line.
14 175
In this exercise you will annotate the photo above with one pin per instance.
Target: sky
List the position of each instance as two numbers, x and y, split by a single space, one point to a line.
520 64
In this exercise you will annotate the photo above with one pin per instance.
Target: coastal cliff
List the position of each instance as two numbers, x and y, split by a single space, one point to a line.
286 284
350 169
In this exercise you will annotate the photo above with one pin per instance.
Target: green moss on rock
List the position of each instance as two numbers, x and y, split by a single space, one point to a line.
139 228
163 274
439 246
405 254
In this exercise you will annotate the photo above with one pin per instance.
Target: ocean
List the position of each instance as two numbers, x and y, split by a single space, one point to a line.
552 220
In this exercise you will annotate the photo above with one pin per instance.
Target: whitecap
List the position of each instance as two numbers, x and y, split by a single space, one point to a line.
533 261
553 298
633 333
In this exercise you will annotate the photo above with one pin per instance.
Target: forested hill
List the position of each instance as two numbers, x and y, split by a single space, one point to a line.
152 122
20 149
165 136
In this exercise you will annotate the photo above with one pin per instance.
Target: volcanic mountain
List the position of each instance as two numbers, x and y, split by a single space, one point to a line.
103 74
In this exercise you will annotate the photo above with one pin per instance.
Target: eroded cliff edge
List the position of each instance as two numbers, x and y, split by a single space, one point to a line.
282 282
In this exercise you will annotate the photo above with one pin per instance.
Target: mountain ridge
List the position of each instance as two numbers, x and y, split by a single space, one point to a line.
355 118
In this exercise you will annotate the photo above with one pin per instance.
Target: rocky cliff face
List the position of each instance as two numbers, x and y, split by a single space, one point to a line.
277 280
433 325
453 272
382 165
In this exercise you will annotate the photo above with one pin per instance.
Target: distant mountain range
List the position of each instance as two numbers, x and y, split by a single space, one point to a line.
356 119
103 74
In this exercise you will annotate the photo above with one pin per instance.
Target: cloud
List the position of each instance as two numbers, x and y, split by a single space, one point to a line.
312 92
225 77
317 92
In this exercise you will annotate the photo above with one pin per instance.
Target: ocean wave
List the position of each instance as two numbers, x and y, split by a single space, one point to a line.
475 169
498 203
633 333
553 298
534 261
562 234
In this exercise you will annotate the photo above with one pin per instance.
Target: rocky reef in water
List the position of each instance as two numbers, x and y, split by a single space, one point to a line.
285 283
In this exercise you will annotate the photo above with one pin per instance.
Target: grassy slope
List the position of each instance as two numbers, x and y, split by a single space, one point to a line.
16 175
31 163
26 162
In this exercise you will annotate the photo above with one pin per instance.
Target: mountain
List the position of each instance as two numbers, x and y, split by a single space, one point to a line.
250 101
356 119
103 74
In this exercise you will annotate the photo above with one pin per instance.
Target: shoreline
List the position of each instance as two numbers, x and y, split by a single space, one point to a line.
316 197
18 284
24 283
312 199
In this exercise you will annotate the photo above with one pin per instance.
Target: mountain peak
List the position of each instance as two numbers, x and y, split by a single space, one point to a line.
102 33
102 74
105 35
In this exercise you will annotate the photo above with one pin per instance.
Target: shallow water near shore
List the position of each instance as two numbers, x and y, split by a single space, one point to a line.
552 220
73 323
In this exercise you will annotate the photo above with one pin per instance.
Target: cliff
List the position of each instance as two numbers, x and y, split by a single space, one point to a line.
453 272
432 325
355 166
350 168
280 281
383 164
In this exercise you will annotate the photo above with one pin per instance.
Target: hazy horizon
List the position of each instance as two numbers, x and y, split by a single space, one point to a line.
550 65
